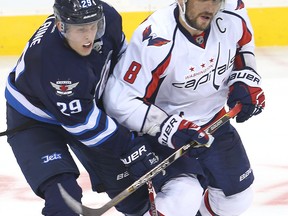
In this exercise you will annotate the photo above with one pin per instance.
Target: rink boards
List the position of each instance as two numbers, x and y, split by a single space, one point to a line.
268 23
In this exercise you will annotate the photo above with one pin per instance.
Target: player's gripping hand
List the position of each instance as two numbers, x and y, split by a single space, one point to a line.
176 132
251 98
140 158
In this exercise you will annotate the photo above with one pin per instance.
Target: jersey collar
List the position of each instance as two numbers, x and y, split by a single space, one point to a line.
198 40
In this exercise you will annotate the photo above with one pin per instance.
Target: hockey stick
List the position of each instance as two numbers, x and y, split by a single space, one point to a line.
24 126
153 210
78 208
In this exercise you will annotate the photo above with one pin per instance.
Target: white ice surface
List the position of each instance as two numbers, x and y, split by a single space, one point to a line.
264 137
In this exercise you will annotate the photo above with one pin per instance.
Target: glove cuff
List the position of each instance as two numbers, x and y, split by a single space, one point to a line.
249 77
155 117
169 127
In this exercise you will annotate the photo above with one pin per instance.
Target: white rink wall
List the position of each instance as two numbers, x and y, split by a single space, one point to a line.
35 7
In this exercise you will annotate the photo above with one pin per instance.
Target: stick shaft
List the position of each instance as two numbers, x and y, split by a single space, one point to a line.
86 211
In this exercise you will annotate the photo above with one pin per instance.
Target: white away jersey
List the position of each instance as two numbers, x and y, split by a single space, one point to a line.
164 65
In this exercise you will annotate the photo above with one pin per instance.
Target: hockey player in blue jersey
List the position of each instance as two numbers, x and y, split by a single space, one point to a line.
54 90
54 98
193 57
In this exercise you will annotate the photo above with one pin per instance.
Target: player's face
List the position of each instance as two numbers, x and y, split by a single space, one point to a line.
81 37
199 13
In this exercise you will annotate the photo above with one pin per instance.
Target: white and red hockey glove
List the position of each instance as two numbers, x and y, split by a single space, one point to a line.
251 98
176 132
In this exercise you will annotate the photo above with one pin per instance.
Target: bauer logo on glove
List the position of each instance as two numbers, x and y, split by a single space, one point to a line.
170 127
134 156
140 158
176 132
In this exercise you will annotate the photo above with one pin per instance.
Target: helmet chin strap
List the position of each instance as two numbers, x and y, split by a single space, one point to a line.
182 11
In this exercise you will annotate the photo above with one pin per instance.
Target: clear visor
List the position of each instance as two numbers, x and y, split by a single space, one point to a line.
99 25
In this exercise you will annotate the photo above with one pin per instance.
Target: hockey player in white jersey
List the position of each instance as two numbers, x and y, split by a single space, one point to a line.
193 57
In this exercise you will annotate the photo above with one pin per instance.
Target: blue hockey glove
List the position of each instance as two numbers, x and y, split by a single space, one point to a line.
176 132
140 158
251 98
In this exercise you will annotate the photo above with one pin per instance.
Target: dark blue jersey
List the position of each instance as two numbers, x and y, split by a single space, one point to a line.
52 83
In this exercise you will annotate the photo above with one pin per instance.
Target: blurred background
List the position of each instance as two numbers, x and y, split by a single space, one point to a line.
19 19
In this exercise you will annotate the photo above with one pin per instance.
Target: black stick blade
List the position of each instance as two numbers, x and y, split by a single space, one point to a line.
77 207
70 201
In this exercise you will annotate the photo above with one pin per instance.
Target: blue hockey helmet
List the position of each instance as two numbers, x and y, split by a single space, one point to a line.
78 11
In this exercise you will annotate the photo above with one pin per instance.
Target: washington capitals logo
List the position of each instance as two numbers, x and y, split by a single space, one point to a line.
153 40
240 5
64 87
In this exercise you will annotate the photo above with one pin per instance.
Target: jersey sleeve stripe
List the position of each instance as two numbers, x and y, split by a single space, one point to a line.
246 37
102 136
152 87
92 122
20 103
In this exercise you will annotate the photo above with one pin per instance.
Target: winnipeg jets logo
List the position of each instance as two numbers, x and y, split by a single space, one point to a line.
153 40
64 87
48 158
